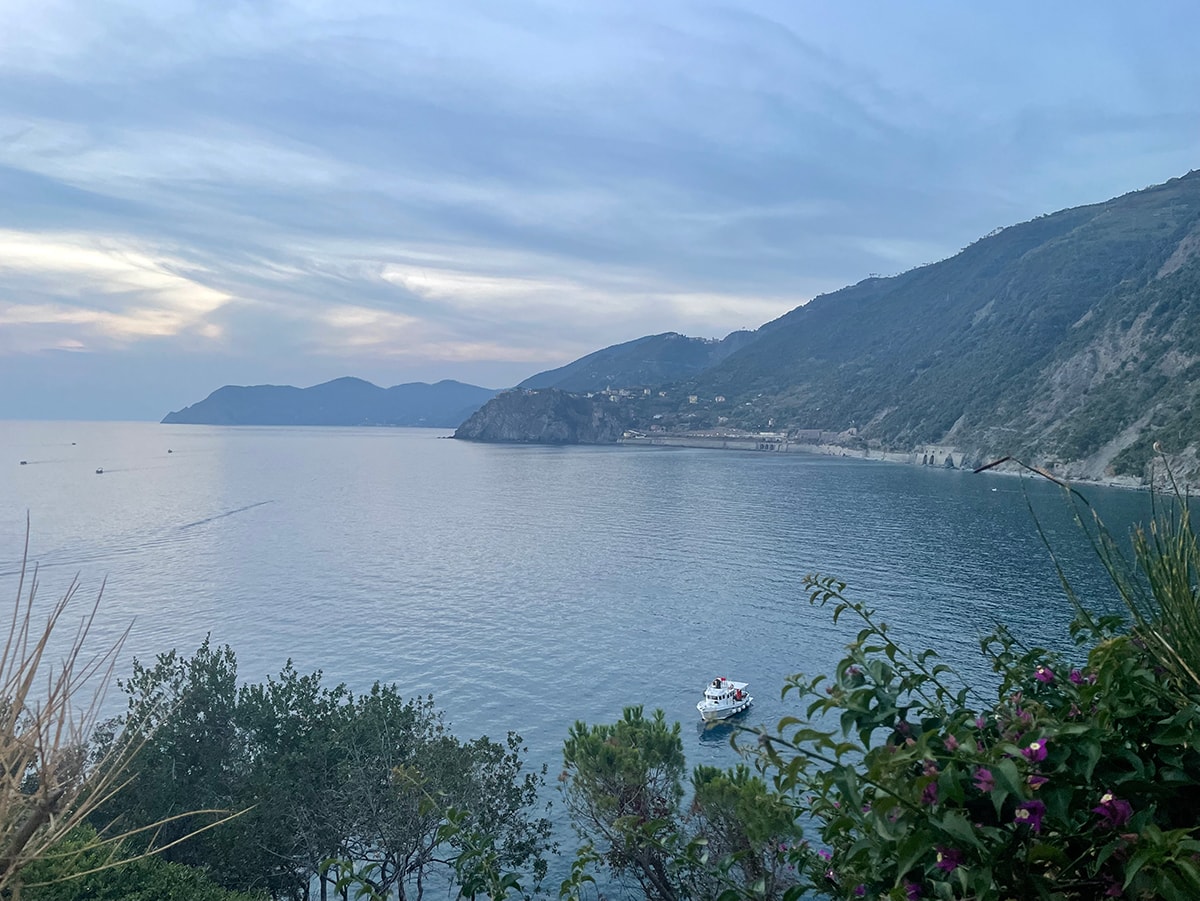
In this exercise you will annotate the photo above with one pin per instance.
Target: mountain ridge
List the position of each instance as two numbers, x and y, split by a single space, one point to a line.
1070 340
345 401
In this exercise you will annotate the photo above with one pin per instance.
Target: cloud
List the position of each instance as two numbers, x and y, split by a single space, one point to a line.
104 292
370 184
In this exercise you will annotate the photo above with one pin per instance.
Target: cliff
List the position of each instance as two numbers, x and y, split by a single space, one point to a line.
546 416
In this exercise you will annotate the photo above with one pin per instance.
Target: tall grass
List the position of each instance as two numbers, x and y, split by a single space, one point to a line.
51 695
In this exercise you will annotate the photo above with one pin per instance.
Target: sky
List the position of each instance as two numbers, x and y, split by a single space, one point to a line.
195 194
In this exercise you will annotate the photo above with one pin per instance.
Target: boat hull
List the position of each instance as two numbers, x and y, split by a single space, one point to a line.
712 713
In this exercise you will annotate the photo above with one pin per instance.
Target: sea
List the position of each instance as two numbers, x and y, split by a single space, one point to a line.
525 587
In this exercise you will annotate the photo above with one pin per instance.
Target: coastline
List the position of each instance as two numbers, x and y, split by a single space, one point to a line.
934 456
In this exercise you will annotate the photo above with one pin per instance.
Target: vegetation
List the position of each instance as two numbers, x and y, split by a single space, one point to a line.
322 774
50 692
83 868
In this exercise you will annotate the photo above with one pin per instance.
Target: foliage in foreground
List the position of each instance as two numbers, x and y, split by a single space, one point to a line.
322 774
1080 780
50 692
81 868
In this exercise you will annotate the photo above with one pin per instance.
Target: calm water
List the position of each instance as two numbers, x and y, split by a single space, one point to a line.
526 587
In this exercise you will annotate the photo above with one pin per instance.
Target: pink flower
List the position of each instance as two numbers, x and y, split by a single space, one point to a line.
983 779
930 794
1030 814
1036 752
1113 812
825 854
949 859
951 743
1044 674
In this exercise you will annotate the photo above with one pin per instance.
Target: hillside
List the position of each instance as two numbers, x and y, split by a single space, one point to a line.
545 416
1072 339
653 360
344 402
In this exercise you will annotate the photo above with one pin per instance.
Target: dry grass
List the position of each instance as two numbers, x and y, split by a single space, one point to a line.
51 694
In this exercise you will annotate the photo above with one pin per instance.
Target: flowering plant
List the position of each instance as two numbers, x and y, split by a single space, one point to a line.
1077 786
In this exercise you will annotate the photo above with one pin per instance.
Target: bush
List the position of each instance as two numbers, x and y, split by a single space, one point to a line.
1079 779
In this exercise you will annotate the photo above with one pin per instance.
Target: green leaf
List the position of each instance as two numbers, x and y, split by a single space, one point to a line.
959 827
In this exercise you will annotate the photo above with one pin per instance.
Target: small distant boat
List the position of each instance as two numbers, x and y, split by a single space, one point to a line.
99 471
723 698
169 451
24 462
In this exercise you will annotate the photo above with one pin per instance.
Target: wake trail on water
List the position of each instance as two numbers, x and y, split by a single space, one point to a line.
200 522
74 557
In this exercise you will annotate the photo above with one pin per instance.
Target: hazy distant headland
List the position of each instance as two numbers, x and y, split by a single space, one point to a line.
341 402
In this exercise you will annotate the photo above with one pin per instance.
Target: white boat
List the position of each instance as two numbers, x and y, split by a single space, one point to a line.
723 698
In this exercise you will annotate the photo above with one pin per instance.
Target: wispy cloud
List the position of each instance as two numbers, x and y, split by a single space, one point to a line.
78 291
481 189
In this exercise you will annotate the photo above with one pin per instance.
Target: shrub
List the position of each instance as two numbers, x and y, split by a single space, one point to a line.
1078 779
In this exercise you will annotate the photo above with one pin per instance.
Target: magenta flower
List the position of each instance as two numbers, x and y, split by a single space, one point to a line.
929 794
912 891
1035 781
1076 677
949 859
825 854
1044 674
1030 814
983 779
1113 812
951 743
1036 752
860 890
980 723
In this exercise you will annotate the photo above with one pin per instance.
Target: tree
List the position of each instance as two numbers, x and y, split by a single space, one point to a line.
409 778
623 784
322 774
193 756
746 828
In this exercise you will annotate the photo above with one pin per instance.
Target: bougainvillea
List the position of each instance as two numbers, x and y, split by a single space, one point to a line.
1083 787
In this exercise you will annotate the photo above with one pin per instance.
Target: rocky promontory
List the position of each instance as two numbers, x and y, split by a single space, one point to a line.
546 416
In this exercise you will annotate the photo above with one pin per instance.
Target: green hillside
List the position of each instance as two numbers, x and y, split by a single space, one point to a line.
1071 340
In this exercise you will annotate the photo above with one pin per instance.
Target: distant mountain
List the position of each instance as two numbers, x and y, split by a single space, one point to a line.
1072 340
344 401
653 360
